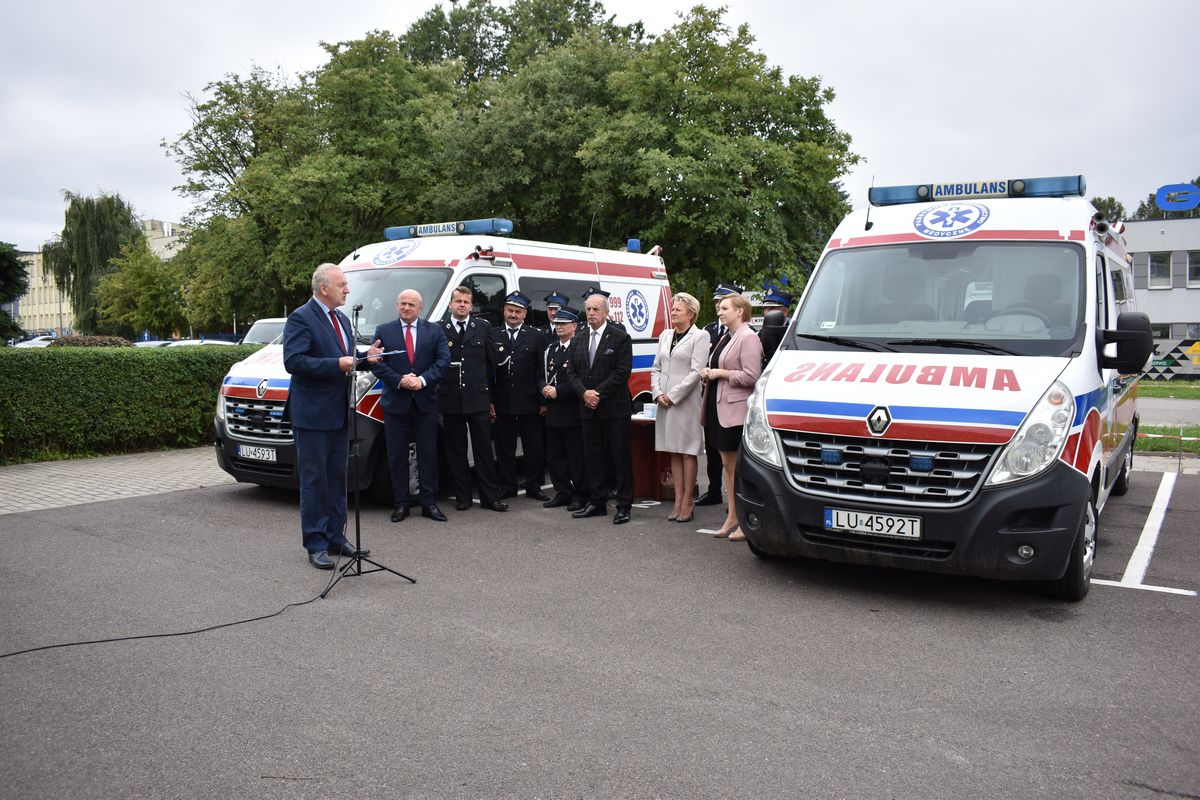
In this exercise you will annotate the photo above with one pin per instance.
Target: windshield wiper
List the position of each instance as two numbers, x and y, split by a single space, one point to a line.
846 341
964 343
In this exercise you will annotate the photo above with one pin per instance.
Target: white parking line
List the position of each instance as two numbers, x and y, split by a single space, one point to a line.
1146 587
1139 562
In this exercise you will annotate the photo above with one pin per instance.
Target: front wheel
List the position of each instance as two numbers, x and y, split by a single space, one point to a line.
1076 581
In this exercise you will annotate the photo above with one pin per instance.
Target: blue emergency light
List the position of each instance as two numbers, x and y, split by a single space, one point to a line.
1064 186
496 226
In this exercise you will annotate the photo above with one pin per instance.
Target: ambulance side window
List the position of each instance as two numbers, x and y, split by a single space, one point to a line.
488 293
1101 295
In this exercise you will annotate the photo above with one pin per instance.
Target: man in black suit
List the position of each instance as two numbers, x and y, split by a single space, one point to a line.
410 409
318 352
520 376
715 331
465 400
564 434
600 362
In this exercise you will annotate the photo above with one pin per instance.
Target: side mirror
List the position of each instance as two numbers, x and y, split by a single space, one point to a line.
1134 343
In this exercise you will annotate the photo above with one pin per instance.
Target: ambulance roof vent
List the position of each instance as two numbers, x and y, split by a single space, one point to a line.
496 226
1065 186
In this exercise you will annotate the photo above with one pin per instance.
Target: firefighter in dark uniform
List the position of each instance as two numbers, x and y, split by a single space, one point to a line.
520 376
780 303
564 431
715 331
554 301
465 401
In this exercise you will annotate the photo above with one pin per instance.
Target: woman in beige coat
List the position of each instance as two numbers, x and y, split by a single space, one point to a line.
732 371
675 387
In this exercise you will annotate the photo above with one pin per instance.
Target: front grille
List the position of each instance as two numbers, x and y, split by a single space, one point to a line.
261 467
891 470
256 420
924 548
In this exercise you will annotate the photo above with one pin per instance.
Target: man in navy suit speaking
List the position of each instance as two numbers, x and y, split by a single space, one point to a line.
410 400
318 352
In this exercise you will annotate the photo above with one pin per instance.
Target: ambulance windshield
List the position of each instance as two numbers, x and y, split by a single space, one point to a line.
1023 297
377 288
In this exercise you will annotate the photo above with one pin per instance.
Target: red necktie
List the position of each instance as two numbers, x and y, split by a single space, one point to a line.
337 330
408 343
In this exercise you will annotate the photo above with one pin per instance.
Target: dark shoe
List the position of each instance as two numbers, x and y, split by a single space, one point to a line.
709 499
320 560
433 512
591 510
347 549
688 518
621 517
576 505
462 505
400 514
495 505
559 501
536 494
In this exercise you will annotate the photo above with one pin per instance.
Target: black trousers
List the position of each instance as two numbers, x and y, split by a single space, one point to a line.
565 462
609 437
400 429
712 452
454 433
505 432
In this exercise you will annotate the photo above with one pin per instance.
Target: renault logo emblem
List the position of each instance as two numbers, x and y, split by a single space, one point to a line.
878 420
262 388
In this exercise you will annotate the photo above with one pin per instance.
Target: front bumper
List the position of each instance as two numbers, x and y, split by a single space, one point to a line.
979 538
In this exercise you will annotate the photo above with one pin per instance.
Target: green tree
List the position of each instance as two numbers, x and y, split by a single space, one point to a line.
95 230
1112 208
141 293
1148 208
718 156
14 282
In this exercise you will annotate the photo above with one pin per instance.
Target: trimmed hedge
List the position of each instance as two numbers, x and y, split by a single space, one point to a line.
66 401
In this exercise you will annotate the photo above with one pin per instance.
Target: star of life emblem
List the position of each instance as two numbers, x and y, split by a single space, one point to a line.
950 220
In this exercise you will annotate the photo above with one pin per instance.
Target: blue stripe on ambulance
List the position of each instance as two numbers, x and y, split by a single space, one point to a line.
973 416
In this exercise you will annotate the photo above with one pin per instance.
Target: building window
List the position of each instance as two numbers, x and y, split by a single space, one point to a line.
1160 270
1193 271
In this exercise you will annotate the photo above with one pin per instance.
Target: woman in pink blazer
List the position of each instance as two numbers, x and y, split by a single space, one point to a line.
733 368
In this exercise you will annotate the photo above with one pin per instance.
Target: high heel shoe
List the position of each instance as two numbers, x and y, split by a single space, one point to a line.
691 515
722 533
737 536
673 518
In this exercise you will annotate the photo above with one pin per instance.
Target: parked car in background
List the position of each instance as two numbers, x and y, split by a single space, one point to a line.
265 330
36 341
190 342
153 343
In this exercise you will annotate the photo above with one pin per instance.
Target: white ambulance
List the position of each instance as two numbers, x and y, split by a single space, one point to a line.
956 391
254 443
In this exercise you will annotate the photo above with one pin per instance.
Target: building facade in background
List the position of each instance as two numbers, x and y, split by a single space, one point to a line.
1166 275
44 309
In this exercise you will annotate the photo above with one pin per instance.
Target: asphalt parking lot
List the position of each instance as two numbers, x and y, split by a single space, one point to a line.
540 656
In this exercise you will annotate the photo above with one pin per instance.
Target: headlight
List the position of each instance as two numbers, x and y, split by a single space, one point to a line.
1039 440
220 407
363 381
757 436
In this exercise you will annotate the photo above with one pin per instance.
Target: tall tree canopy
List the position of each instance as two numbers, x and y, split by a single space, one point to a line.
1112 208
545 111
141 293
14 282
94 231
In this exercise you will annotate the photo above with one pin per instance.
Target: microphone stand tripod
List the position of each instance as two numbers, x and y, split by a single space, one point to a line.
353 566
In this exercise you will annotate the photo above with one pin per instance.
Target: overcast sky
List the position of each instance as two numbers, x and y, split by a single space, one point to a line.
927 91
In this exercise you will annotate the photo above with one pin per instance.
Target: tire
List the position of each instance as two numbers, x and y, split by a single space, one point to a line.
1121 484
1074 584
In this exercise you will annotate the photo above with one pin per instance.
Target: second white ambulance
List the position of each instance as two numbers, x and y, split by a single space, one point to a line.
957 389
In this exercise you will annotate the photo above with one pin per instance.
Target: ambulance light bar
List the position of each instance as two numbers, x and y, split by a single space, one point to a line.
1065 186
476 227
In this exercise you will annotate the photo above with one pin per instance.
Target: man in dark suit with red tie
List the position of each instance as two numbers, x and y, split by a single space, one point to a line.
410 378
600 363
318 352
